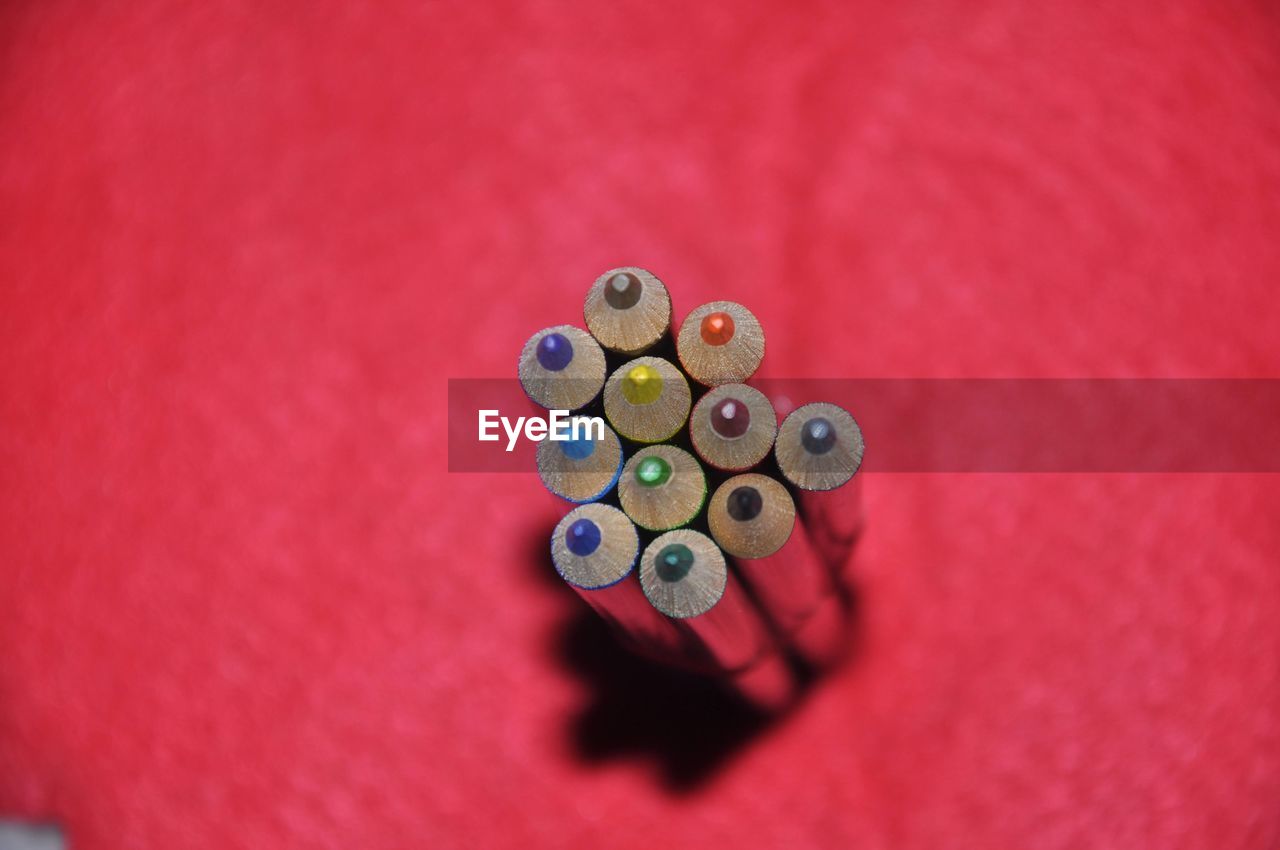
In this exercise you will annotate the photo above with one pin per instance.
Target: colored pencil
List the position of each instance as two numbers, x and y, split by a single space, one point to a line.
720 343
662 487
562 368
628 310
819 450
583 469
595 548
819 446
647 400
753 518
684 575
732 427
769 589
836 519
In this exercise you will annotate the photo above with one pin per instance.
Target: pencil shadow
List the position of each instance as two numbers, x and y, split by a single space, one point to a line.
690 726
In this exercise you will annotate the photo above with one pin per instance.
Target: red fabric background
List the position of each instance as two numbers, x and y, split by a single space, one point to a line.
243 245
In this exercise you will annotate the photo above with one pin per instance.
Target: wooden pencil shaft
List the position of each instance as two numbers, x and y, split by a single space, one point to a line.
769 684
837 514
732 427
628 310
581 470
637 624
720 343
647 400
595 548
836 519
753 518
732 636
824 637
790 584
562 368
662 487
684 575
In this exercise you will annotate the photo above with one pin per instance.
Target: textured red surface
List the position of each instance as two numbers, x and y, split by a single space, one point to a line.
243 245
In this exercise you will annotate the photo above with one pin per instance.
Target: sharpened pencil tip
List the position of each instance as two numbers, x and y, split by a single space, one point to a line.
717 328
642 385
745 503
730 418
578 448
653 471
583 537
555 352
673 562
623 291
817 436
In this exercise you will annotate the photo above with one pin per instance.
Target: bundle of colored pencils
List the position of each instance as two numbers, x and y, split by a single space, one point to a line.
746 584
